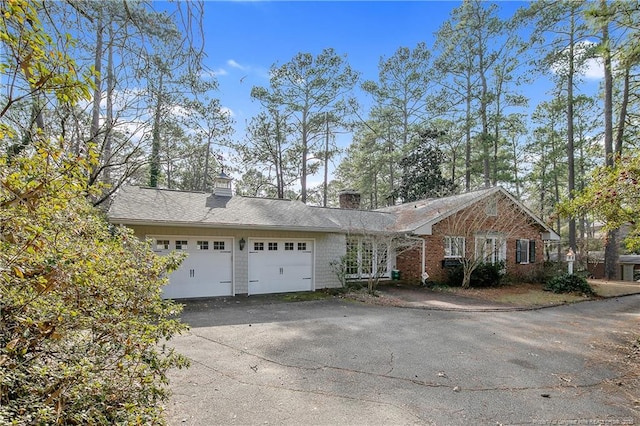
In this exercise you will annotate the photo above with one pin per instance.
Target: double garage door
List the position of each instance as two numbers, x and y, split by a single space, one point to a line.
280 265
274 266
207 271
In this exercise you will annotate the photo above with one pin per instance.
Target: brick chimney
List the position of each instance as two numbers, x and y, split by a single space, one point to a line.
349 199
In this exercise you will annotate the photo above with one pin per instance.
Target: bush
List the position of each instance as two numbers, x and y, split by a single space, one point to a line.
484 275
83 321
544 271
569 283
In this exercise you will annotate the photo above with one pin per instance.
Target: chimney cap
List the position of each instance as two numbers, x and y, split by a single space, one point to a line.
349 192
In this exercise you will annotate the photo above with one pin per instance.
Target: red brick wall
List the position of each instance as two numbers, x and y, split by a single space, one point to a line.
509 221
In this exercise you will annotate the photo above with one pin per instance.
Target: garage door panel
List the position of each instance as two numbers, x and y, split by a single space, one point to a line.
281 266
205 272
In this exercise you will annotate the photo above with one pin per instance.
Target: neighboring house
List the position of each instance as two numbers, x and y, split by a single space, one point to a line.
246 245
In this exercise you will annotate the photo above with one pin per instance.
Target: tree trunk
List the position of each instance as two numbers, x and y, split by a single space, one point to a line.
154 167
205 172
570 136
111 82
467 152
305 154
611 246
97 80
326 163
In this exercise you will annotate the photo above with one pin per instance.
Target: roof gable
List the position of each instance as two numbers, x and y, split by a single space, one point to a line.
419 217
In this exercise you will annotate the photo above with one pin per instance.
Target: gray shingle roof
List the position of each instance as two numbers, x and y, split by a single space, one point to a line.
413 215
141 205
357 221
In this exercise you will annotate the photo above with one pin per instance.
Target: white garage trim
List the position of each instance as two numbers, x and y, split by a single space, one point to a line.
280 265
207 271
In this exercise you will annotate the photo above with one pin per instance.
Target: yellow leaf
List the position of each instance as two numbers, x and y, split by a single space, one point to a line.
12 344
18 272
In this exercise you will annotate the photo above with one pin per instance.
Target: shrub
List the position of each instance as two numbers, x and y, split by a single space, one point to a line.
484 275
83 321
544 271
569 283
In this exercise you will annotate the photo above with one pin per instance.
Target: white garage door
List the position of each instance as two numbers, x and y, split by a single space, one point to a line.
207 271
279 266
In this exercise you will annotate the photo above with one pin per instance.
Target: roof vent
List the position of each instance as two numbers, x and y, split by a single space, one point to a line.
222 185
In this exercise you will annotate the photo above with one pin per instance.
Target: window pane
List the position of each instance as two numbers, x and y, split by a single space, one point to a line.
367 257
447 246
457 250
181 244
162 245
302 246
352 257
218 245
288 246
532 251
203 245
454 246
381 258
258 246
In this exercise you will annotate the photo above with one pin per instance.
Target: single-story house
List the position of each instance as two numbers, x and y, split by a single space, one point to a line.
249 245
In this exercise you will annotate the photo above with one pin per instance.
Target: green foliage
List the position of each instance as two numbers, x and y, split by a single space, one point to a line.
422 171
82 322
543 272
484 275
80 306
569 283
612 197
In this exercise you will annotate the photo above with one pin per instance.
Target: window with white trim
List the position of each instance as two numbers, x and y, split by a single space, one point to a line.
367 257
218 245
491 249
202 245
181 244
525 251
288 246
454 247
302 246
273 246
352 256
258 246
162 244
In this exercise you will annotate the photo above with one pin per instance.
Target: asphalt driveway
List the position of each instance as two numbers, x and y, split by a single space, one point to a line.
340 362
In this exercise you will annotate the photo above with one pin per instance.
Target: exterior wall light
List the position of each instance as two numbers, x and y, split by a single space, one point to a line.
242 243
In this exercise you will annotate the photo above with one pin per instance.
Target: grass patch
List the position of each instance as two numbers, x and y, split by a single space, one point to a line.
539 298
518 295
614 288
306 296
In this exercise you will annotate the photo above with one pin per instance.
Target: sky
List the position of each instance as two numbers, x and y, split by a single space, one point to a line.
243 39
